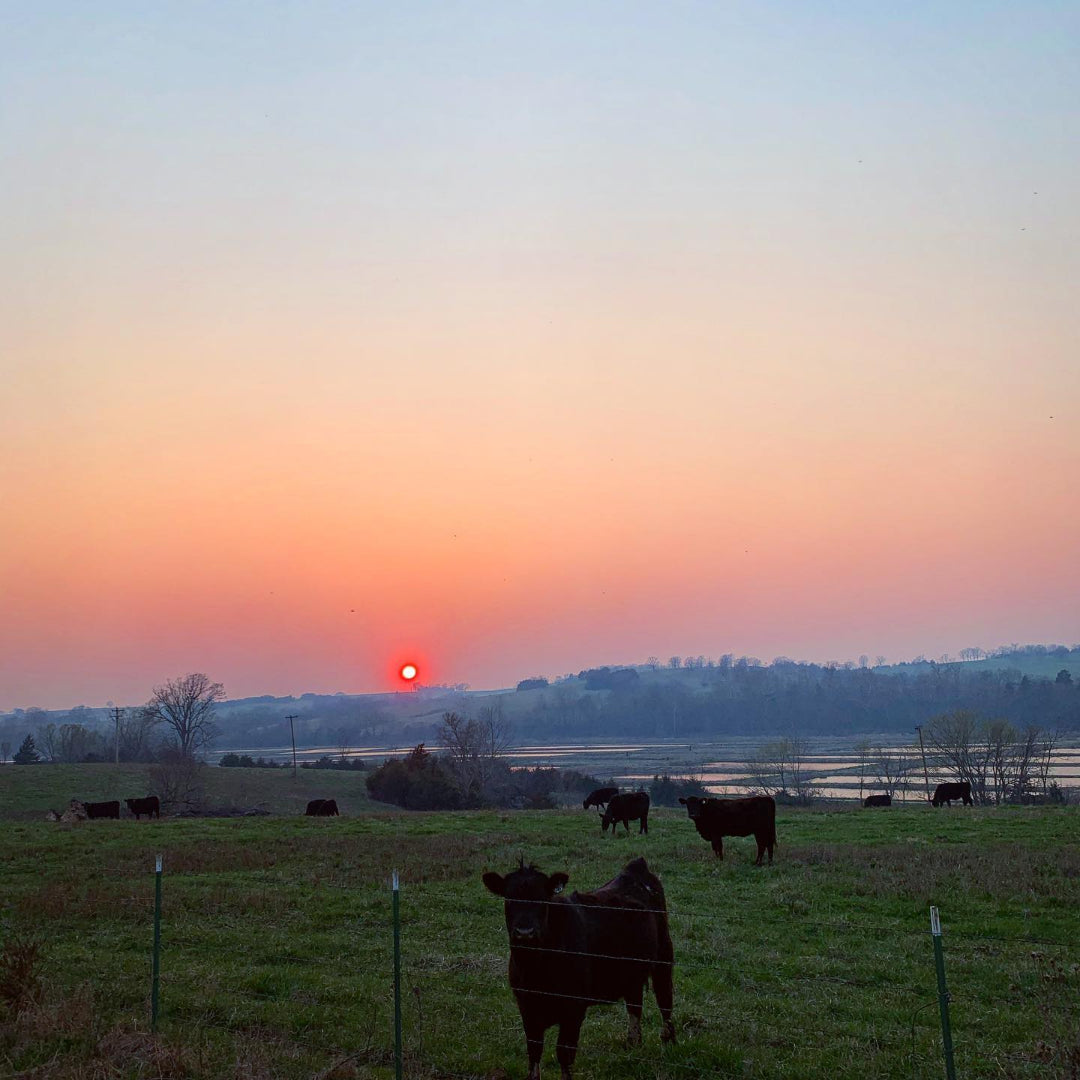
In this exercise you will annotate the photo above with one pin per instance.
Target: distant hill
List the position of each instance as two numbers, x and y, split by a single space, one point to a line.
1032 684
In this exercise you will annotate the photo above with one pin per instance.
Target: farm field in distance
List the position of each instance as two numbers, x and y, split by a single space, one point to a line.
277 944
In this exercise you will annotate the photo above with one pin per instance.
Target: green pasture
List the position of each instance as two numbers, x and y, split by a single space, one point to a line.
277 945
27 792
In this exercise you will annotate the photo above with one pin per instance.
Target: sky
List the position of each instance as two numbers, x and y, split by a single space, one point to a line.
514 339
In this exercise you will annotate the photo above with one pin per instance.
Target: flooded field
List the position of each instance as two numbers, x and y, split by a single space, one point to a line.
831 764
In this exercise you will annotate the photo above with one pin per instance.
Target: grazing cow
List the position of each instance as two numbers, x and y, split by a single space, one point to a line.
567 953
945 793
716 818
101 809
877 800
600 797
627 807
322 808
150 806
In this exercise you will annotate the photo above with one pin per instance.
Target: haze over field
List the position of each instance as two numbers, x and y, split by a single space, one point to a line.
513 339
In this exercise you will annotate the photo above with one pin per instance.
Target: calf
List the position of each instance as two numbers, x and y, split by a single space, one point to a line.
101 809
150 806
627 807
945 793
716 818
877 800
567 953
600 797
322 808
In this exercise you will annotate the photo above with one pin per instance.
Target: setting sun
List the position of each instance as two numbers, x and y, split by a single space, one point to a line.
408 672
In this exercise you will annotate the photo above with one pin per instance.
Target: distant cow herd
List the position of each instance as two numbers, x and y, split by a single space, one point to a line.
78 810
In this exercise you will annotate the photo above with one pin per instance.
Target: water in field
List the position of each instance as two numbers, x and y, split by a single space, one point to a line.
831 764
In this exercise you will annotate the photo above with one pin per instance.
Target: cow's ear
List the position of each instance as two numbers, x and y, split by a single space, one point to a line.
496 883
682 800
557 882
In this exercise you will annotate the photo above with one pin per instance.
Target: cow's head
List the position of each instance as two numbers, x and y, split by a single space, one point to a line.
528 894
695 804
606 819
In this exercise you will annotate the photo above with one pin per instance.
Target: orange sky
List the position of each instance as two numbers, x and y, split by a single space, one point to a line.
293 384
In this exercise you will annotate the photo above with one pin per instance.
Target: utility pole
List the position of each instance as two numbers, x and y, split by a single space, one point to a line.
926 775
291 717
117 713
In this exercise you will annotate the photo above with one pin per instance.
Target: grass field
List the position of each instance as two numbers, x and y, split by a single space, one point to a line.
277 945
26 793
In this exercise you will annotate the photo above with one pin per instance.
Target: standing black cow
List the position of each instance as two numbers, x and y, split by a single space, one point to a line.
589 949
716 818
322 808
102 809
600 797
150 806
877 800
627 807
945 793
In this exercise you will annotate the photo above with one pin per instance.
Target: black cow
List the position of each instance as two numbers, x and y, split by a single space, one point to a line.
600 797
589 949
716 818
103 809
877 800
150 806
627 807
945 793
322 808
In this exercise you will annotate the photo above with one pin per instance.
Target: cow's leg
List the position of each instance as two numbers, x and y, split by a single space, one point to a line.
718 847
760 850
566 1050
634 995
644 824
534 1041
665 997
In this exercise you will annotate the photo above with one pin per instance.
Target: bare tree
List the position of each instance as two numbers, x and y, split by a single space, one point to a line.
1001 763
134 730
776 768
5 751
186 706
891 765
862 748
954 741
49 741
341 738
1050 741
475 745
176 779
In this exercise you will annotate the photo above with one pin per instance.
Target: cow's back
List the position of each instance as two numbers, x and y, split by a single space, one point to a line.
626 926
103 809
739 817
630 804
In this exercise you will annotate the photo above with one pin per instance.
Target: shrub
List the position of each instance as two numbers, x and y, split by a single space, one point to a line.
176 779
667 790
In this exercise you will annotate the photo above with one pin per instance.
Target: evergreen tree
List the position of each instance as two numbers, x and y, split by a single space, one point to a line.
27 753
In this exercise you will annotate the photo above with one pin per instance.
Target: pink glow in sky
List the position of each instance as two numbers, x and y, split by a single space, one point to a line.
510 343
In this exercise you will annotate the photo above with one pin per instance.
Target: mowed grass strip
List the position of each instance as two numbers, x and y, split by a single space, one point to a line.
277 945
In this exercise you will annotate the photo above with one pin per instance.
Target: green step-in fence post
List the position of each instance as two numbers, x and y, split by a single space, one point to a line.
157 947
943 993
397 981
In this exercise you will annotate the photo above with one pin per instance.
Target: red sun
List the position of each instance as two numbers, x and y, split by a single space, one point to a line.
408 672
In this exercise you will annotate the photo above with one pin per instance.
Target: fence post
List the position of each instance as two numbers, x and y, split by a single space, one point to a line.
157 947
397 981
943 993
